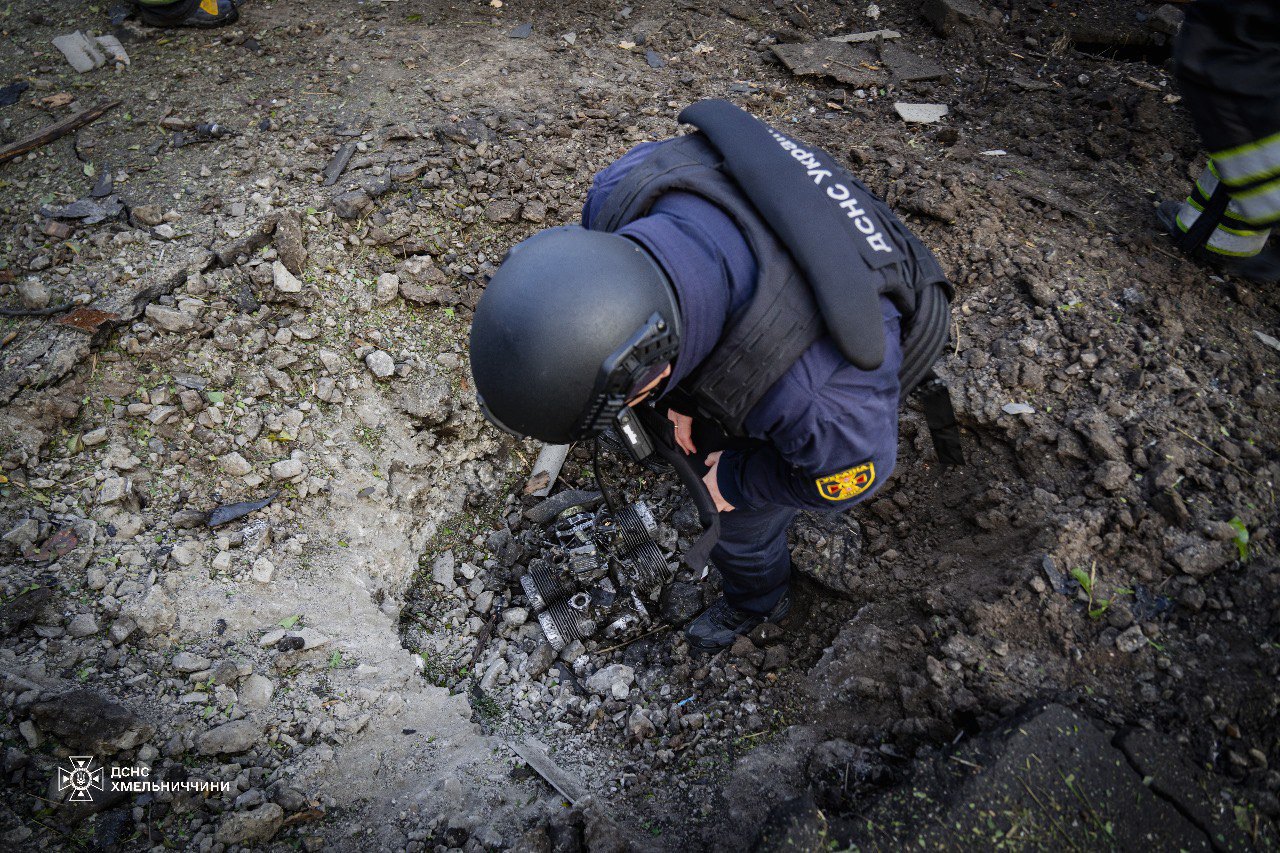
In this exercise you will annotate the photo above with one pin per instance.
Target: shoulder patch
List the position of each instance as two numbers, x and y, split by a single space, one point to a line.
847 484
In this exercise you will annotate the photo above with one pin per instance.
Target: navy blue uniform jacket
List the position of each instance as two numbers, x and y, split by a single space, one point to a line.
825 421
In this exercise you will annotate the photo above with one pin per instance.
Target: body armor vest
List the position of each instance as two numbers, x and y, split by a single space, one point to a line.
783 318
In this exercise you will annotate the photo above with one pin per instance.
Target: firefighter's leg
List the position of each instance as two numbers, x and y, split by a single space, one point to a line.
1232 208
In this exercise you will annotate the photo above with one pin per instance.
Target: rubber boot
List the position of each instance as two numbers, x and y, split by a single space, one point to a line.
1262 268
197 14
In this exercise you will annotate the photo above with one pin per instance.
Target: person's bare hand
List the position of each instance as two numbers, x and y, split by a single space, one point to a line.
713 486
684 430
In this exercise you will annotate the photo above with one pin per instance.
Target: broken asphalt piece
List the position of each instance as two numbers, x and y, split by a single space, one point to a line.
849 65
338 164
88 319
907 67
921 113
88 210
561 501
10 94
82 54
1017 409
54 548
535 755
230 512
871 35
651 57
521 32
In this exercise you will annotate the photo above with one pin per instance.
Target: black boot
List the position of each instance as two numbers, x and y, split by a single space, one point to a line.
1262 268
721 624
200 14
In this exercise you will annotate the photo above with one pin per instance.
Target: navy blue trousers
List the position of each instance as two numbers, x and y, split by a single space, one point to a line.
752 555
753 558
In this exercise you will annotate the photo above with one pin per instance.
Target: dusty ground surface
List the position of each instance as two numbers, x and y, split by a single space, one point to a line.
351 659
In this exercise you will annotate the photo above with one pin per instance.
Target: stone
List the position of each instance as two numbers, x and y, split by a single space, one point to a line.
284 281
289 245
423 283
442 571
83 625
515 616
680 603
429 401
147 215
23 534
256 825
311 638
263 570
1131 640
1168 19
235 464
33 293
286 469
388 288
775 657
611 680
185 553
84 720
229 738
380 364
350 205
256 692
502 210
639 726
540 660
94 437
1196 556
169 319
154 614
1113 476
742 647
189 662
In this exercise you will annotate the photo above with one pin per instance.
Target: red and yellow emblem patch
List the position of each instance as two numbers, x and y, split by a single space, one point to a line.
847 484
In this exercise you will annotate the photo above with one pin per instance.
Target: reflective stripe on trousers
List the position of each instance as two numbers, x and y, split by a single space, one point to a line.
1238 234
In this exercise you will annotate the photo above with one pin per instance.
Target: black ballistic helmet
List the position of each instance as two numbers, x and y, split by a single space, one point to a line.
573 323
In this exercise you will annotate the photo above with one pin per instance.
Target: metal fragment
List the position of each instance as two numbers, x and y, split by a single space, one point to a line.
230 512
88 319
55 547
